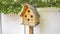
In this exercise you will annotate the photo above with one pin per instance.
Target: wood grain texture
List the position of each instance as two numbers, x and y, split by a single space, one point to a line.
24 10
30 30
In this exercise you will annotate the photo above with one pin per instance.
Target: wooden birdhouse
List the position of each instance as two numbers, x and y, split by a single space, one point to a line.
29 15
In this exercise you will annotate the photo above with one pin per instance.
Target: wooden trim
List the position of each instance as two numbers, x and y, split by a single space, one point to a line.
30 29
24 10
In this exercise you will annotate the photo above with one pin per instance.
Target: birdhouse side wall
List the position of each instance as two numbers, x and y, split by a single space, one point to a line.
36 20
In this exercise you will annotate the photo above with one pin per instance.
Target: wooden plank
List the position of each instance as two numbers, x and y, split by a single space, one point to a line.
30 30
24 10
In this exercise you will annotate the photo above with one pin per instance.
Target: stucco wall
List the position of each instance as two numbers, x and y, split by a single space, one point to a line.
49 23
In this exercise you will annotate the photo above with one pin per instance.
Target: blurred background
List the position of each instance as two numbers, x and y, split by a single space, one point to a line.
49 22
10 22
0 25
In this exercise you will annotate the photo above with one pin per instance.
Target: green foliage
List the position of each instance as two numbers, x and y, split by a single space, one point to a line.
15 6
51 3
10 6
40 3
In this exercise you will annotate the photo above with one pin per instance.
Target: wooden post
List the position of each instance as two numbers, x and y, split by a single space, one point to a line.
30 30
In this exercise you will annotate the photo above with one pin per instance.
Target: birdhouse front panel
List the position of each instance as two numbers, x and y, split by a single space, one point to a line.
29 18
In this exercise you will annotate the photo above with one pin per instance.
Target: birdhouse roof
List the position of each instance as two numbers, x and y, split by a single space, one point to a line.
25 7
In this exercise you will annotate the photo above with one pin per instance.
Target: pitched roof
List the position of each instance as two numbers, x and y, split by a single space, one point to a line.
24 9
26 6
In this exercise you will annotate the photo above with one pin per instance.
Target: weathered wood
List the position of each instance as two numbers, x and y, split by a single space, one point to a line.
30 30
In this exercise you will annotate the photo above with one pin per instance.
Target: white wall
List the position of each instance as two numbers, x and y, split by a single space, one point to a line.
11 24
49 23
0 23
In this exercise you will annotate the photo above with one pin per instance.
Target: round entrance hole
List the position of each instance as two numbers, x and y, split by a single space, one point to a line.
28 19
31 16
